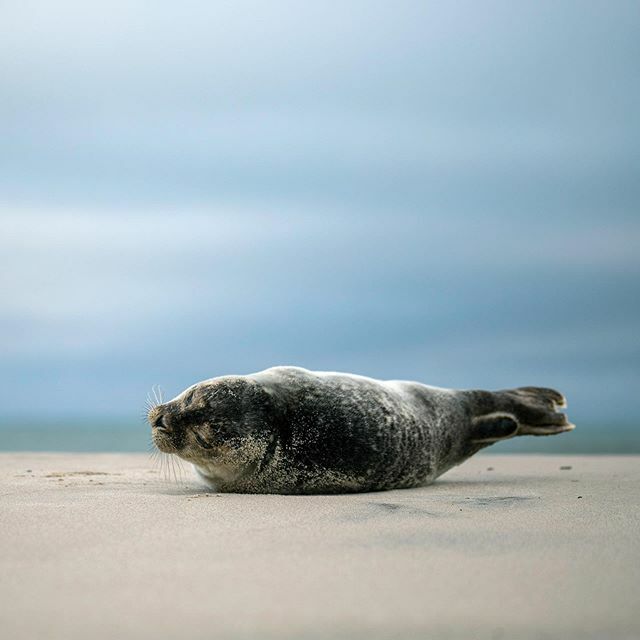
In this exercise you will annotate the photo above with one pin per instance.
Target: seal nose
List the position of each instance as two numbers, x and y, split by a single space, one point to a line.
160 424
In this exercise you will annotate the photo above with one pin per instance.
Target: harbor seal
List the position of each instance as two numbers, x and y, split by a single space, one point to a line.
292 431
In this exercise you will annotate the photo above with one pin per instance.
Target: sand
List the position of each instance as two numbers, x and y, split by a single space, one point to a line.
99 546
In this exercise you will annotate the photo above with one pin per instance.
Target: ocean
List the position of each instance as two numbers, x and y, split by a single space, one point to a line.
133 436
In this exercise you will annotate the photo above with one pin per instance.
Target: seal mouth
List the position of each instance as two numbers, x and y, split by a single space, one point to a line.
162 435
162 439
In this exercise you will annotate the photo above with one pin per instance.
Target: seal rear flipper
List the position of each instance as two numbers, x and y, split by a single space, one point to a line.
518 412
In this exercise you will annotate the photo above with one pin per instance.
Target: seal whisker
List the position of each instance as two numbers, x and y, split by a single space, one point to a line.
179 468
153 456
151 402
162 467
158 460
167 467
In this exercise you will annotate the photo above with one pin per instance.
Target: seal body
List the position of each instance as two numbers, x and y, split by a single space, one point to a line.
290 430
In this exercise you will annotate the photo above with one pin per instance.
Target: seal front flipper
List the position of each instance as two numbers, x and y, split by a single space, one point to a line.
493 427
516 412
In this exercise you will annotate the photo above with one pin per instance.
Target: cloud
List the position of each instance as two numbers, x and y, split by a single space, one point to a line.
440 191
423 106
89 284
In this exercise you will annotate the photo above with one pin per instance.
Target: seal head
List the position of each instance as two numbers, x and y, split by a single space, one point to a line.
219 425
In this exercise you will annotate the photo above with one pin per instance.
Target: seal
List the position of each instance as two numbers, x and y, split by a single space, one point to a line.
292 431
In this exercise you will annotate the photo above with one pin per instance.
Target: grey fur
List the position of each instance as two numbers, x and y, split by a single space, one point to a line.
290 430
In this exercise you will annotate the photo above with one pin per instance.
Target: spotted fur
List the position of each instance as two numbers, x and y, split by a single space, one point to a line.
289 430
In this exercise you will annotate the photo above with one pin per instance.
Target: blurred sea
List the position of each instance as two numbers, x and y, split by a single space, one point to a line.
91 435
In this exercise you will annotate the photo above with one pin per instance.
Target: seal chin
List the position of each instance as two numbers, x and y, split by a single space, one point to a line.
162 439
217 474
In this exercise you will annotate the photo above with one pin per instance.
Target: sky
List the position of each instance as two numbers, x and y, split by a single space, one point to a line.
440 191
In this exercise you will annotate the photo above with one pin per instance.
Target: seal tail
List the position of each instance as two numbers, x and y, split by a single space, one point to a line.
523 411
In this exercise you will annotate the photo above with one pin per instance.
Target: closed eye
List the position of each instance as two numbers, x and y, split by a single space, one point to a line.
201 441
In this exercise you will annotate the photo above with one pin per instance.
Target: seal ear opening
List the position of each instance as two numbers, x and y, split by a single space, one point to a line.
493 427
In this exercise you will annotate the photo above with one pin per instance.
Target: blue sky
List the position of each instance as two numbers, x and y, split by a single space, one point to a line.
446 192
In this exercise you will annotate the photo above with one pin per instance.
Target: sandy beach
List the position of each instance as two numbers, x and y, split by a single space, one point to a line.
101 546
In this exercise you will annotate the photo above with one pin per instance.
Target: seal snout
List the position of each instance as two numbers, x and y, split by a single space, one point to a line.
164 435
159 423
